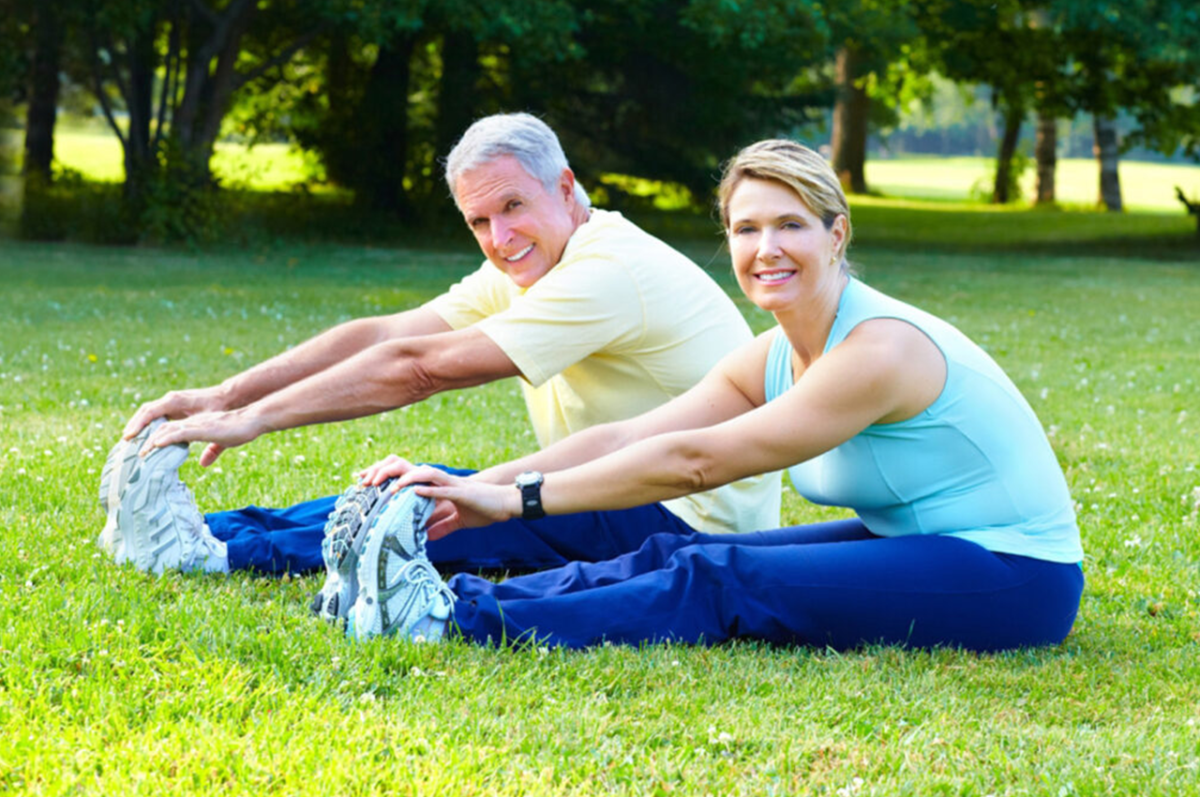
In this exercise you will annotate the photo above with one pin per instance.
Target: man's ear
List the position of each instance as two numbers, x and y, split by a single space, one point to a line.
566 185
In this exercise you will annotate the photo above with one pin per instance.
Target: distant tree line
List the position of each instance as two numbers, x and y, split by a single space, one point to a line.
661 89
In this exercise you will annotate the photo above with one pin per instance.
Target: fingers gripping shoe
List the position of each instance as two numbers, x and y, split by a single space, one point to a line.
400 591
117 469
159 521
345 532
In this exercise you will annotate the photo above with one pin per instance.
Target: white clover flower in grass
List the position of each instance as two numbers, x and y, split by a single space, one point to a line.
1134 542
852 788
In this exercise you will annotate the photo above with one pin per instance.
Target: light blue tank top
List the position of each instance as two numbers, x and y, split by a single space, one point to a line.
975 464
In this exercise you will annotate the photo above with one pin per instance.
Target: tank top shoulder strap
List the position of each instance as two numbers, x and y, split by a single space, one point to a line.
777 379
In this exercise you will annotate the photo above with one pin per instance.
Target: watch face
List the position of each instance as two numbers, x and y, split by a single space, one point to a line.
529 477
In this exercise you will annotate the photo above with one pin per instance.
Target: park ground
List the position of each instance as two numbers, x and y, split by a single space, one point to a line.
116 682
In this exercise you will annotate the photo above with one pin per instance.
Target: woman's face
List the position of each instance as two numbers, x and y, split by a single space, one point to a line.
781 251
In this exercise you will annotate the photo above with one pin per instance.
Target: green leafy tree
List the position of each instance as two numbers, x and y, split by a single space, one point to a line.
1134 55
666 89
165 73
875 43
1000 43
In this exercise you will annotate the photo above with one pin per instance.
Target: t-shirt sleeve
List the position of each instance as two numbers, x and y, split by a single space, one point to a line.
480 294
569 314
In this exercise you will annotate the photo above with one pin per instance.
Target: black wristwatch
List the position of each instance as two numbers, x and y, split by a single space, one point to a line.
530 485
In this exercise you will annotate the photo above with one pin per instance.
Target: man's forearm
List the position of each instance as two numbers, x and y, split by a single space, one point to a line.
326 350
383 377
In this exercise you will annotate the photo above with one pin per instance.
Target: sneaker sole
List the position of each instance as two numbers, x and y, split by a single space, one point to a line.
153 542
118 468
345 532
395 538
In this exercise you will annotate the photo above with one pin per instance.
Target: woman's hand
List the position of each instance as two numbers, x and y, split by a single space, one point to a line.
390 467
462 502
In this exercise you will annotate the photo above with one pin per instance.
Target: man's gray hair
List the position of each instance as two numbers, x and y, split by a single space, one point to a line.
521 135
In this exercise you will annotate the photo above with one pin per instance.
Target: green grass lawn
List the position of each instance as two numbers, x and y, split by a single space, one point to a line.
116 682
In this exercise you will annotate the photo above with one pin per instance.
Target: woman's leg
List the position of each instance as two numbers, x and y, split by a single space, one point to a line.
653 555
919 591
553 541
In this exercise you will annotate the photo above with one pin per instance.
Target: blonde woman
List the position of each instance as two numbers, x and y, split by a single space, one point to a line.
965 534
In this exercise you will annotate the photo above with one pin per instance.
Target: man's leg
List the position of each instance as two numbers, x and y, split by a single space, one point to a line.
274 540
289 539
919 591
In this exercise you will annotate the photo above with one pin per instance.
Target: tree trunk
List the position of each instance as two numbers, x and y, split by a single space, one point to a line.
1106 153
43 94
140 159
1193 208
1001 192
457 93
850 110
384 117
1046 151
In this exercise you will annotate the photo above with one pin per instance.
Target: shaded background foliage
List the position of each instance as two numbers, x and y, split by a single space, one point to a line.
657 89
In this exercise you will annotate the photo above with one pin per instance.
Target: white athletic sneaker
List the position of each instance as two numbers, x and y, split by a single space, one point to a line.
117 469
345 532
159 522
400 591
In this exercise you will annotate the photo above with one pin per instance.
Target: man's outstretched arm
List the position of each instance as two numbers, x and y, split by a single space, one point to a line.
331 347
385 376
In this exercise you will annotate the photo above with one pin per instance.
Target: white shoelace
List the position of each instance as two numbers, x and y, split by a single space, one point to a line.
420 574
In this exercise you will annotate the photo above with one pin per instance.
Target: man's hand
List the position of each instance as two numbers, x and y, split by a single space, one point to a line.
174 405
221 430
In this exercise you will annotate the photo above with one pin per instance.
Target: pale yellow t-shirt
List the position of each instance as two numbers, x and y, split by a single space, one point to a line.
621 325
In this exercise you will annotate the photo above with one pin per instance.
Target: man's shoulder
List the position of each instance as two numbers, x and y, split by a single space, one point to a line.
628 251
609 231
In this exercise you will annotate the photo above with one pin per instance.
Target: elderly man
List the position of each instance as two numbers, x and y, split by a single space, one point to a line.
598 319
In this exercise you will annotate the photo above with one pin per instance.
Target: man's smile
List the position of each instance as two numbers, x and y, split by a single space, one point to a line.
520 254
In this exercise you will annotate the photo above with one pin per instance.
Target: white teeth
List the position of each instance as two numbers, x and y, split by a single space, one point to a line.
520 254
774 276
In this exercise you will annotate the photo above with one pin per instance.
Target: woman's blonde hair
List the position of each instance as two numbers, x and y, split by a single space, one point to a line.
796 166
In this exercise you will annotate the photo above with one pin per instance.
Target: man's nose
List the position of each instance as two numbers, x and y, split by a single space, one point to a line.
501 233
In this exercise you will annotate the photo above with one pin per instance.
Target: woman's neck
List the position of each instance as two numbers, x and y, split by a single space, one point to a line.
807 324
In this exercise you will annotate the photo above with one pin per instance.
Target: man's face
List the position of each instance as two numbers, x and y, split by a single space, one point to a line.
521 227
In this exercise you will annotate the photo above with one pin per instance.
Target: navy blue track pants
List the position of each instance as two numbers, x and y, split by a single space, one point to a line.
642 575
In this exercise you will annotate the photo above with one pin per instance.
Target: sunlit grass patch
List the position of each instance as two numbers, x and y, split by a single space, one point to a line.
1145 186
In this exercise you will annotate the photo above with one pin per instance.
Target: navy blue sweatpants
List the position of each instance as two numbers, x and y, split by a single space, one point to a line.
643 575
289 540
830 584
